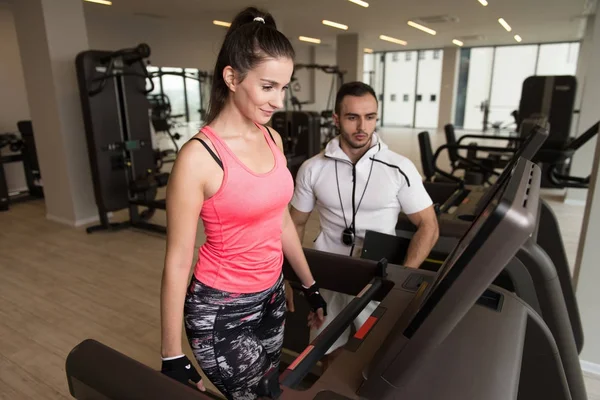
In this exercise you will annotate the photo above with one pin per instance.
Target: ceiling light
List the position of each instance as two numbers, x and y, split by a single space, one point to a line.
335 24
360 3
504 24
518 38
457 42
309 39
393 40
421 27
483 2
104 2
222 23
367 50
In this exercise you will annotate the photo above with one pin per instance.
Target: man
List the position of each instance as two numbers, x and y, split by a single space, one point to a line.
356 184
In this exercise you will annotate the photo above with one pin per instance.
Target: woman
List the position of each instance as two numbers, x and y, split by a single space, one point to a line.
233 175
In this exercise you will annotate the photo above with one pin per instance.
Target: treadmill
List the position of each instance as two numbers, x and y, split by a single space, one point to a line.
546 234
434 335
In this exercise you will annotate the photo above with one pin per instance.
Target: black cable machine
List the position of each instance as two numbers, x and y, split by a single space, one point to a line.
24 151
113 94
305 133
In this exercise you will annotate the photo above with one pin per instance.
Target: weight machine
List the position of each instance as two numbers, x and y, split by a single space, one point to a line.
305 133
113 94
161 112
25 150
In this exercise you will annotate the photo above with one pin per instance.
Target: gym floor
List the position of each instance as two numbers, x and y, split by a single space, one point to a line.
59 286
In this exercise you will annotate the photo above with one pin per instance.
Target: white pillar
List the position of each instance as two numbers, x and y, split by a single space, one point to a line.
350 56
448 86
50 34
587 159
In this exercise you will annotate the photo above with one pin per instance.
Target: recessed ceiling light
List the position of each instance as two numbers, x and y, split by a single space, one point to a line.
457 42
222 23
367 50
518 38
335 24
393 40
483 2
504 24
104 2
360 3
421 27
309 39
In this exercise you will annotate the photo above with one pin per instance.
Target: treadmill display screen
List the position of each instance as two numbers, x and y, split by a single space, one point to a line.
459 258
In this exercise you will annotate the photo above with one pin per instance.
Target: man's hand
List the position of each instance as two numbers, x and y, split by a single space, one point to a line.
289 297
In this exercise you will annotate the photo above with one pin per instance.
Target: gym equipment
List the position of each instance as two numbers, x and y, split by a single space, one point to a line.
428 328
328 129
554 98
112 88
466 202
457 210
556 162
27 154
301 134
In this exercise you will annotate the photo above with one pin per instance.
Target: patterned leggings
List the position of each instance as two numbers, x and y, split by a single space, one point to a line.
236 338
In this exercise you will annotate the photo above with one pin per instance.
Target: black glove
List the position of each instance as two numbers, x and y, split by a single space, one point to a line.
180 369
314 298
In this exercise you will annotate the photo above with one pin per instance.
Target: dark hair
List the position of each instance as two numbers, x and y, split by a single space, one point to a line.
352 89
248 41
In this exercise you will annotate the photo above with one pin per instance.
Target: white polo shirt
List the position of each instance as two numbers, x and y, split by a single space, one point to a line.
387 182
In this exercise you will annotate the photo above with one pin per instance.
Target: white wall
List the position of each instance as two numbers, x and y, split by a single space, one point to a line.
13 101
173 43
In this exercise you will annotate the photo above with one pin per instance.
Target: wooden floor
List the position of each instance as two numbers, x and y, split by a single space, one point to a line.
60 286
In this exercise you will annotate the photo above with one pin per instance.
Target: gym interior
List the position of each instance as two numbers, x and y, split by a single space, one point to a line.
97 98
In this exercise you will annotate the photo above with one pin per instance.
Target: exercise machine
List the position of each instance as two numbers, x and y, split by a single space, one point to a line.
450 328
25 153
328 129
557 161
454 219
300 133
113 90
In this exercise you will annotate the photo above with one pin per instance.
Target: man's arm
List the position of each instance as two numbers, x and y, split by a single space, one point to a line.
424 239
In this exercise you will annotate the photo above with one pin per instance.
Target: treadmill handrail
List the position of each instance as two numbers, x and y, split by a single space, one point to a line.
302 365
466 160
584 137
507 138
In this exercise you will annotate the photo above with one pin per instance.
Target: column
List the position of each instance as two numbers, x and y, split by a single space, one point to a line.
587 99
587 159
50 34
448 86
350 56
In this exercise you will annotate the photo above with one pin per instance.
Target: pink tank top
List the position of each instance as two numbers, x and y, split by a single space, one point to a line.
243 223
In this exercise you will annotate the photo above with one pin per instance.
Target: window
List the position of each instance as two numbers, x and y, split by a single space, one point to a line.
436 54
495 75
407 55
393 97
557 59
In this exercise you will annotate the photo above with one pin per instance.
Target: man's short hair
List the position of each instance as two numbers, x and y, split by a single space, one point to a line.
352 89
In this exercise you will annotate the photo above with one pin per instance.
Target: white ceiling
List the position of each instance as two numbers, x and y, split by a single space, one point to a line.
534 20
